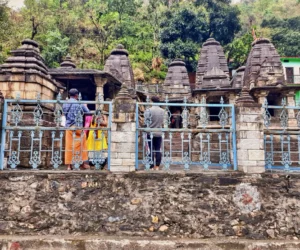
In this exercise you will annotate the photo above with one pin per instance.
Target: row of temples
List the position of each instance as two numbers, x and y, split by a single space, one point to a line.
262 76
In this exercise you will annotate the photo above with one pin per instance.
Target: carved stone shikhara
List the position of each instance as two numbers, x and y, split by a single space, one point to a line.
177 84
212 69
263 67
119 66
25 71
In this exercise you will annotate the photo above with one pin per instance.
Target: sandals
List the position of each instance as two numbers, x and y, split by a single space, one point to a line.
83 166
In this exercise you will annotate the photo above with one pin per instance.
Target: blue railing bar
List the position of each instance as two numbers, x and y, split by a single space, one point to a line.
187 104
3 136
235 162
186 130
52 128
283 168
281 132
281 107
109 136
54 101
136 136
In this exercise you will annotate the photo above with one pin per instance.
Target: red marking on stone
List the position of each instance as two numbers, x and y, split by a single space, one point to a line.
247 199
15 246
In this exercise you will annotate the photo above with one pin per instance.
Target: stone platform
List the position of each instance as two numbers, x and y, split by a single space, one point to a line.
195 206
121 243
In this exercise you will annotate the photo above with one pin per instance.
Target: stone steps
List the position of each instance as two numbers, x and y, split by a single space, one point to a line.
58 242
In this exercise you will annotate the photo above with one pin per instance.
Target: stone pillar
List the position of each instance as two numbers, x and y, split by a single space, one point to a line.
123 133
232 98
290 101
261 96
250 135
100 82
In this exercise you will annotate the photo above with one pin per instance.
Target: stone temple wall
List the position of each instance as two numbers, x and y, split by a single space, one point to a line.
195 206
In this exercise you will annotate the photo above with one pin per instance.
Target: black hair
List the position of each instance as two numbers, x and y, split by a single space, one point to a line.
155 99
73 92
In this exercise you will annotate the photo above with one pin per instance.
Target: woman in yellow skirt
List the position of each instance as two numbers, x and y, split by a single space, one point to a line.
96 140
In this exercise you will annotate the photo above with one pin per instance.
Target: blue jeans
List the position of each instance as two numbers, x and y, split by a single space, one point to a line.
155 150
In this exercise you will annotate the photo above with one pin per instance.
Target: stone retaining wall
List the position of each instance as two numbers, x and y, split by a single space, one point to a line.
121 243
181 205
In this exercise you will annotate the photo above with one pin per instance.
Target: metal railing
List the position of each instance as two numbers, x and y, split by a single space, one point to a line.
282 137
149 88
201 136
293 79
33 135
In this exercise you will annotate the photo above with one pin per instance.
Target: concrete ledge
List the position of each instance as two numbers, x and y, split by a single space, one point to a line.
118 243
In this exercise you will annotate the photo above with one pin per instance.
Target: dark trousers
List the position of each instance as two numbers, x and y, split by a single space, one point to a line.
155 150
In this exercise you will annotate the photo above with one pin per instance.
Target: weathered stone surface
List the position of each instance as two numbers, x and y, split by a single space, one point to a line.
25 71
118 243
263 66
119 66
175 205
212 69
177 85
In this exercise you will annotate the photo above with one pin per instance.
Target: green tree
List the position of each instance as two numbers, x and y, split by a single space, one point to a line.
55 49
186 26
182 31
238 51
285 34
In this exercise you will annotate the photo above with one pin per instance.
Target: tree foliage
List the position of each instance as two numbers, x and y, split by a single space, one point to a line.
186 27
151 30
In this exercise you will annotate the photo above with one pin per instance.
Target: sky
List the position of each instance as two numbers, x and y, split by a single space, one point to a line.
15 3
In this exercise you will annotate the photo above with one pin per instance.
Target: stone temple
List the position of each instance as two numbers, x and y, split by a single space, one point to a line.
251 207
261 76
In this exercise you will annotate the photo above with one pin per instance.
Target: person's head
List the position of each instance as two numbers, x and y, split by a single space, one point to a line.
155 99
73 93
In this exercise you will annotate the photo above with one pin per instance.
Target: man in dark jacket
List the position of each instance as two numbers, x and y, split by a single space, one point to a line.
156 117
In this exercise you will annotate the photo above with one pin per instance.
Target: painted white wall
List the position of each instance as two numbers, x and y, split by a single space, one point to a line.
296 67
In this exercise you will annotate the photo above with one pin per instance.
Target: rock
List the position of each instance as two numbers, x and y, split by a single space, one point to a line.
113 219
26 209
163 228
34 185
271 233
234 222
151 229
67 196
154 219
14 208
136 201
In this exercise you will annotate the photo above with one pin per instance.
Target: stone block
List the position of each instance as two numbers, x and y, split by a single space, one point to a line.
120 117
255 169
133 127
248 126
123 137
124 127
245 144
124 169
124 155
242 155
258 155
123 147
130 117
254 134
249 118
117 162
128 162
114 126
